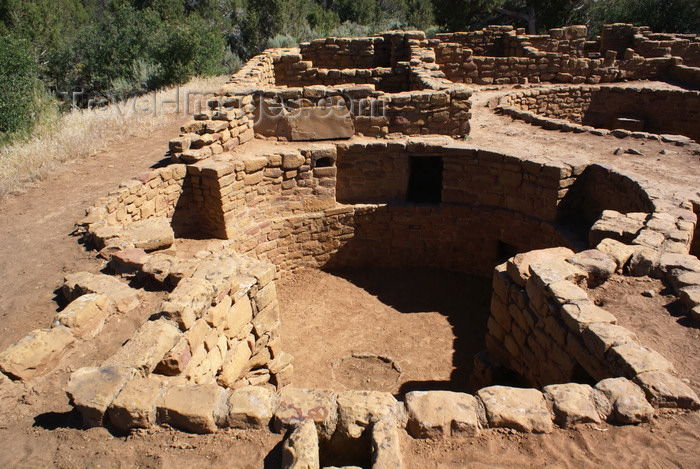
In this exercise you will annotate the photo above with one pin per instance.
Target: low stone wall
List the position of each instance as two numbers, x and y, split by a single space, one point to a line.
155 194
544 326
637 109
443 112
501 55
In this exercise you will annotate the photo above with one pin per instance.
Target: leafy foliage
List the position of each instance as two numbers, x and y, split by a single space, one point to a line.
133 46
20 88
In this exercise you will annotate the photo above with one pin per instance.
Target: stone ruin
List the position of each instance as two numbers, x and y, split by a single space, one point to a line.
377 171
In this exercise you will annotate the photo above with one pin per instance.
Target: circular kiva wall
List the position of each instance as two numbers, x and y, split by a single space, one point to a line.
409 202
636 109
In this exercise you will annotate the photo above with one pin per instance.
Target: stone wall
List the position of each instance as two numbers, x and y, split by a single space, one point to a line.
544 326
444 112
501 55
155 194
641 109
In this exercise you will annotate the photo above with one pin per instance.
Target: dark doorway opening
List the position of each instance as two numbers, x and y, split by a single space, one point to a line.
425 180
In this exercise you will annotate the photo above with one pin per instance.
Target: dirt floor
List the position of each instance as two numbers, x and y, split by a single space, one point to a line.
649 308
430 322
37 249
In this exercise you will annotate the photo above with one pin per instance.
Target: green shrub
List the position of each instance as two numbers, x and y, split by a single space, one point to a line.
281 41
21 92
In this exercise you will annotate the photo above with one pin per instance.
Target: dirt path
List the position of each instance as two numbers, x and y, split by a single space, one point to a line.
675 168
37 248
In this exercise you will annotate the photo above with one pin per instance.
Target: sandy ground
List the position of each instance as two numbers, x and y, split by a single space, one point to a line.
37 249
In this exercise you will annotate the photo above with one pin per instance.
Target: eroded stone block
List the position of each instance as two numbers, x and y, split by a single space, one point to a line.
147 347
356 409
524 410
86 315
629 403
665 390
92 390
300 450
251 407
135 406
574 404
194 408
36 353
442 414
297 405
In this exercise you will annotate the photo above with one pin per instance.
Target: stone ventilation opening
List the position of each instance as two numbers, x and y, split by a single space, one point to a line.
425 180
324 162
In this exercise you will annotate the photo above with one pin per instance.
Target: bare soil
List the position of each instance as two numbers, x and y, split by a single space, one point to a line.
394 313
650 309
430 322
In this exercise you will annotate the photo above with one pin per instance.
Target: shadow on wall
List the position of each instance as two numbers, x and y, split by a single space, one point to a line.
647 110
597 189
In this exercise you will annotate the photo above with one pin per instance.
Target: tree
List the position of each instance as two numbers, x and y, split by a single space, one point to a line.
20 87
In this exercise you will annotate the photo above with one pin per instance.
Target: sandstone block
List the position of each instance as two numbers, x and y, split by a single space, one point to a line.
690 296
125 299
632 359
619 252
315 123
176 360
578 317
264 273
197 333
280 362
235 363
356 409
599 266
672 261
665 390
297 405
386 449
251 407
629 403
186 303
219 273
92 390
284 377
241 313
682 278
266 319
599 337
524 410
265 296
147 347
300 450
644 261
150 234
441 414
577 403
217 315
86 315
128 261
554 271
254 163
519 266
135 406
194 408
292 160
36 353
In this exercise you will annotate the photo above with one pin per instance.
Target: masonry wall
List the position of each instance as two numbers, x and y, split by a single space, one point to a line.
501 55
155 194
661 111
470 177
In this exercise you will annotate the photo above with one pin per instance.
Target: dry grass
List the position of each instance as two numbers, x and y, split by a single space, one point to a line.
83 133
